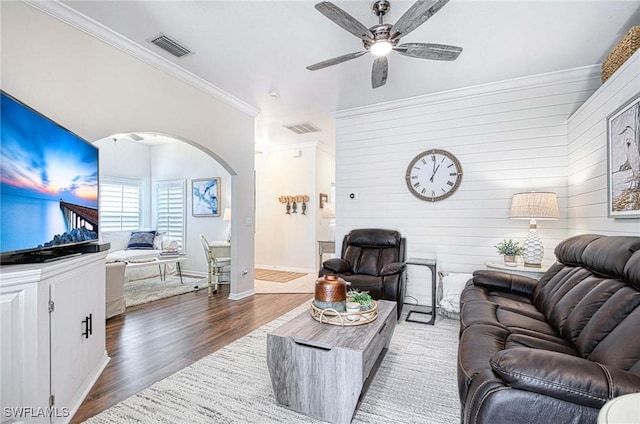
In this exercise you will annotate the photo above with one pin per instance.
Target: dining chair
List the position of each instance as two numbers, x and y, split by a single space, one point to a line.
215 264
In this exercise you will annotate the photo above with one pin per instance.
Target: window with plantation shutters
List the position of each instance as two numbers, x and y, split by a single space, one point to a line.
171 210
119 204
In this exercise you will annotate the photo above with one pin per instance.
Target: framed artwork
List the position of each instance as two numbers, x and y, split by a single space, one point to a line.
323 199
623 152
205 196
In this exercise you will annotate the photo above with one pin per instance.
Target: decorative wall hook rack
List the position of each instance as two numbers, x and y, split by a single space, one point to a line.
293 201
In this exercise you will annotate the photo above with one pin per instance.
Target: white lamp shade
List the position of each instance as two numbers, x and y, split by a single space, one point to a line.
535 205
227 214
329 210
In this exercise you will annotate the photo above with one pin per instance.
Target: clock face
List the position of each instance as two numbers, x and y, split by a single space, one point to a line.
434 175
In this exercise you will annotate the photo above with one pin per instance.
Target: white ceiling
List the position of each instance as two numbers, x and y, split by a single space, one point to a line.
248 48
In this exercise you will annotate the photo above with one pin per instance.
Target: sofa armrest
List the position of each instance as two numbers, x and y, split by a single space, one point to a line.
336 265
114 288
563 376
392 268
503 281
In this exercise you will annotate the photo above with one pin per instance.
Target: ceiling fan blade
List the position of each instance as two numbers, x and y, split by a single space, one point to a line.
379 72
344 20
415 16
335 61
429 51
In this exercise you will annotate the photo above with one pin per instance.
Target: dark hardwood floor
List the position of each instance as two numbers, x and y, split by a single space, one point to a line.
150 342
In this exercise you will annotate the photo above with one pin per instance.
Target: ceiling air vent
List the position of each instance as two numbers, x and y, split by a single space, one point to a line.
171 46
302 128
135 137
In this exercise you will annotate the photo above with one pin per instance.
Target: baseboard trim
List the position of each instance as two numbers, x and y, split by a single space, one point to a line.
88 385
242 295
194 273
224 277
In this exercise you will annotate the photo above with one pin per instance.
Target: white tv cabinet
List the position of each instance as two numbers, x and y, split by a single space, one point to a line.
52 339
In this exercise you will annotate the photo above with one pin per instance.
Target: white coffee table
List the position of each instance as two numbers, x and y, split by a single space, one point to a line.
160 260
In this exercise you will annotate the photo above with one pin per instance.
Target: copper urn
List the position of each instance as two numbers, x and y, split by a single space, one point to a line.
331 292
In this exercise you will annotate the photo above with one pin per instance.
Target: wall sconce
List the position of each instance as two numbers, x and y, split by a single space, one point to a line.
534 205
292 203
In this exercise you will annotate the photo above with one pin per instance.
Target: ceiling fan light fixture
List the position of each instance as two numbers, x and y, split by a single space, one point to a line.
380 39
381 48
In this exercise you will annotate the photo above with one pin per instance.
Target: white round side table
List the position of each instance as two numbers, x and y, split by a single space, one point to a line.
624 409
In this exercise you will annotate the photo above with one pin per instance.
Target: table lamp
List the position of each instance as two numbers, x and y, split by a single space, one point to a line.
227 217
534 205
329 212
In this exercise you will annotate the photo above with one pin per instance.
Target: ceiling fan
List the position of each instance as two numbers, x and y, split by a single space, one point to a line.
383 38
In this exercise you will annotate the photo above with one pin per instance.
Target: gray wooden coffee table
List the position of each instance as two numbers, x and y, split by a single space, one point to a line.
320 370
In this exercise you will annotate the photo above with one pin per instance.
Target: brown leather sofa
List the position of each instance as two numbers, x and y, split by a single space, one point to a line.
372 260
553 350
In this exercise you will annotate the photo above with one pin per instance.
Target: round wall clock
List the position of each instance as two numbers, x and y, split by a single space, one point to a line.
434 175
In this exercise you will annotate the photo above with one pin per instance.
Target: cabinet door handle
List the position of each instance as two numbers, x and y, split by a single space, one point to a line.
88 326
85 330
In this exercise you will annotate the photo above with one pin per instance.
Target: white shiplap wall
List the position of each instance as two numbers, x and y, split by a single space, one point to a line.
587 153
509 137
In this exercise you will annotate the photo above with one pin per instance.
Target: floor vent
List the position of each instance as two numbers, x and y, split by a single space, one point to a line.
302 128
171 46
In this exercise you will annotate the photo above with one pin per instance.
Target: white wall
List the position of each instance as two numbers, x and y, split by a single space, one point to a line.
171 161
289 164
95 90
326 175
129 160
179 161
509 137
284 241
587 182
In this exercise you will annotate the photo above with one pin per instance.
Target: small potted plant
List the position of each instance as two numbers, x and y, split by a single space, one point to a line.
509 249
363 298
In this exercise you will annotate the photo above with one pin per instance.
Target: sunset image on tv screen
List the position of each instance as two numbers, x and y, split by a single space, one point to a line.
48 180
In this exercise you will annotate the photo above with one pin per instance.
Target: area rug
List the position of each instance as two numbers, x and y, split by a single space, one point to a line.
276 276
137 292
416 383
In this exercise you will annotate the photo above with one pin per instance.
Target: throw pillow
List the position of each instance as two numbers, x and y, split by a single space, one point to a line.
158 240
141 240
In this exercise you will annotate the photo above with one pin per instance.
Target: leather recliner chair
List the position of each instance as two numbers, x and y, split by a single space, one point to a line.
372 260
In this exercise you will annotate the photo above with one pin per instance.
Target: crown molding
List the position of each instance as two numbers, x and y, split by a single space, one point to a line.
291 146
89 26
326 148
552 78
633 60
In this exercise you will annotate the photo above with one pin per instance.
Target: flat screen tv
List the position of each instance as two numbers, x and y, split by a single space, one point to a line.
48 186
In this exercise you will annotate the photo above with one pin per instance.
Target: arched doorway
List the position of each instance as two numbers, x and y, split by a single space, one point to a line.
160 163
